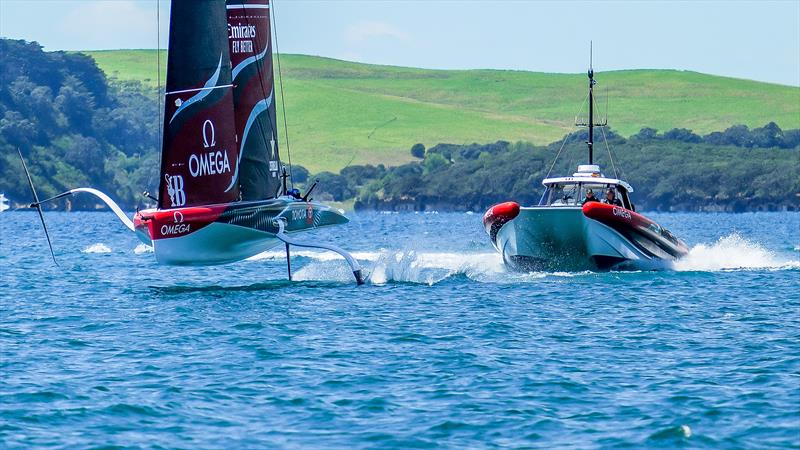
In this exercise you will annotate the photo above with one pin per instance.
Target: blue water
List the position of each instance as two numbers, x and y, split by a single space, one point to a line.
442 349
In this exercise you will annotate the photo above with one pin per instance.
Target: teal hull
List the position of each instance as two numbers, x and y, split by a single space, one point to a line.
562 238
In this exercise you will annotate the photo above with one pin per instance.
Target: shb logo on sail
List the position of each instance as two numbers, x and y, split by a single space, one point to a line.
210 161
175 190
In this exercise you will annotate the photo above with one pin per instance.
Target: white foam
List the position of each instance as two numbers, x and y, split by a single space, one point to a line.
404 266
731 253
312 254
412 266
97 248
430 267
142 248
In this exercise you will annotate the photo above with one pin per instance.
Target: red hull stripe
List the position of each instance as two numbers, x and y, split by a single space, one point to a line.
610 213
177 222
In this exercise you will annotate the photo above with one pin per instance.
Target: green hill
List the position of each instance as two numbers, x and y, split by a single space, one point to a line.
342 113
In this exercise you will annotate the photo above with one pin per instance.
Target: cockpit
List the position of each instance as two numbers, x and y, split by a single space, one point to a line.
576 193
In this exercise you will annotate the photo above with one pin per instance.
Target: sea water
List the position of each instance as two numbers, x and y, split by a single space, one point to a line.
442 348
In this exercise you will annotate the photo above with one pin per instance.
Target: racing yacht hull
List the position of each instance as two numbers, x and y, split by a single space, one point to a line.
221 234
569 238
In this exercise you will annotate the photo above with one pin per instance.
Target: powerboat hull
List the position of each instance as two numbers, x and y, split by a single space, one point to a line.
566 238
221 234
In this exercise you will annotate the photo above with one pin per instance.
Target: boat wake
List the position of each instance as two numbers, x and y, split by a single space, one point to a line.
732 252
386 266
97 248
142 249
729 253
409 266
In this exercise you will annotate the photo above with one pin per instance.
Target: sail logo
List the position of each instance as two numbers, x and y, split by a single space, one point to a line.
177 196
208 128
210 162
306 214
246 32
241 31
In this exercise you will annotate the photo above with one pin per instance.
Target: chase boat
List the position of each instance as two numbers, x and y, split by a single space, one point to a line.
563 232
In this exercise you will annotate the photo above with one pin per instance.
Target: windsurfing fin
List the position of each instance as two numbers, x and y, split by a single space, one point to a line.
38 205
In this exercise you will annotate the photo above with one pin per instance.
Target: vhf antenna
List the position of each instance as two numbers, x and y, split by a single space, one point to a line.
590 123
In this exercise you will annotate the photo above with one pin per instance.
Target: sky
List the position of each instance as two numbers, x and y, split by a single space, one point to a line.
757 40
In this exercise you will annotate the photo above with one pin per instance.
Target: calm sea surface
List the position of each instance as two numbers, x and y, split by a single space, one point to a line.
443 348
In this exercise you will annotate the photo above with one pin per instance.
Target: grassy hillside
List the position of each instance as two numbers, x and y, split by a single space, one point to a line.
341 112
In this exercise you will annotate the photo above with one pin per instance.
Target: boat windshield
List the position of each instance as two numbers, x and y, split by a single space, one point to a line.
575 194
562 195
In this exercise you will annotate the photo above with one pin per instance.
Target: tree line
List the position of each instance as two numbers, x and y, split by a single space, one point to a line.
734 170
77 129
74 127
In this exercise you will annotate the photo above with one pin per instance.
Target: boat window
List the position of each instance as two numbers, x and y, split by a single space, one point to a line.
563 195
622 194
574 194
599 191
545 197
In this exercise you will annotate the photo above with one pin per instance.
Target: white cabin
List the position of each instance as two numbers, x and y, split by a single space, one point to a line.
571 191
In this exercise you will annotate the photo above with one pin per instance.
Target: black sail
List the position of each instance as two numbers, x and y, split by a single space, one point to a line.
250 46
200 151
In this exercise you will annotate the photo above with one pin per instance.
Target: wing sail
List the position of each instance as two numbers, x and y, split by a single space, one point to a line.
199 151
250 45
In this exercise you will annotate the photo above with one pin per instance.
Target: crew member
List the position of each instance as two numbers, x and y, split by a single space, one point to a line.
611 198
294 192
590 197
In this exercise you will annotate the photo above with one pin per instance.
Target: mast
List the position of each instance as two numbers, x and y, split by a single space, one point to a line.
591 106
590 124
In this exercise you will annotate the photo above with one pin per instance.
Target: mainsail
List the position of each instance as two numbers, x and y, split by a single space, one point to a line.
200 152
256 172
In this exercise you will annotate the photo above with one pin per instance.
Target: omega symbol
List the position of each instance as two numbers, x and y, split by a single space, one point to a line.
208 125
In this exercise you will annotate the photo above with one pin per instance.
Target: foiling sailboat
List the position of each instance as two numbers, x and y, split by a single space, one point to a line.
572 230
223 193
